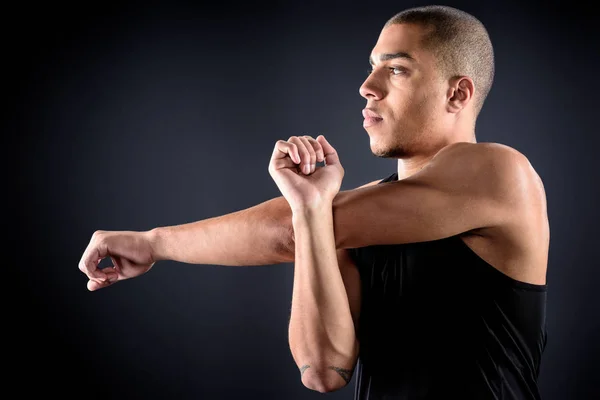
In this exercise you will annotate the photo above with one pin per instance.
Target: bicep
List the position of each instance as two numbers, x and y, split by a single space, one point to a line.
400 212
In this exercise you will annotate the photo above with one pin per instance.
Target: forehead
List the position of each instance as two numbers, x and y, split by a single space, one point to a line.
406 38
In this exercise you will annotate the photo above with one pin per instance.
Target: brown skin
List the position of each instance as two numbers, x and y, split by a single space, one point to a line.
321 330
487 193
422 110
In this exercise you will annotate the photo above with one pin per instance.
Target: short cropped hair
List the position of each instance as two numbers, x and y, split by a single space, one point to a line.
459 42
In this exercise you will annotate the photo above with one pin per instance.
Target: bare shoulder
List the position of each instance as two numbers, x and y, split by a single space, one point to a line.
499 169
519 246
488 153
493 168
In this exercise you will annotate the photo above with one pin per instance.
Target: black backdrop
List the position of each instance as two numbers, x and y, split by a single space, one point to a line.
131 116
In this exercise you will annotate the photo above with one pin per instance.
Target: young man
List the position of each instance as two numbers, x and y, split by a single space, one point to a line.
432 281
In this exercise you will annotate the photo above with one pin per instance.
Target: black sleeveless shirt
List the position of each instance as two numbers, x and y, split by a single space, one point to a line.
438 322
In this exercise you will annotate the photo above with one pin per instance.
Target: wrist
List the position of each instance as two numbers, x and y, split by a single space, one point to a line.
156 239
316 210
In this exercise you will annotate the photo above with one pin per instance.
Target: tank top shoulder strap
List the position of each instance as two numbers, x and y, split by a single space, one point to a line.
391 178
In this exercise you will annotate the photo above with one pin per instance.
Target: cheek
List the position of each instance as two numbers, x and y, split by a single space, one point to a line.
415 102
402 104
427 102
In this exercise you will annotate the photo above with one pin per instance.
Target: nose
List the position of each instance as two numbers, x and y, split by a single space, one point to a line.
370 89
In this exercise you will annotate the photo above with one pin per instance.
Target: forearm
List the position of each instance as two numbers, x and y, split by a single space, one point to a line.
321 331
259 235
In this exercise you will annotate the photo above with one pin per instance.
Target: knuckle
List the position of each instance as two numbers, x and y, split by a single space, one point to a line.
100 240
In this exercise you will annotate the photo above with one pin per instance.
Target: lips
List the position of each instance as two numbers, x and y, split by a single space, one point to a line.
371 118
368 113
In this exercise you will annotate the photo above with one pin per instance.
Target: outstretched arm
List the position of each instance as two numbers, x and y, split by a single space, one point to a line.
466 187
259 235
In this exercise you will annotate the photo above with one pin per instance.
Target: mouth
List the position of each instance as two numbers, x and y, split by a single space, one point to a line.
370 118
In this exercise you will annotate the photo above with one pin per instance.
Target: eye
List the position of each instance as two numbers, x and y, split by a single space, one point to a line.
393 70
397 70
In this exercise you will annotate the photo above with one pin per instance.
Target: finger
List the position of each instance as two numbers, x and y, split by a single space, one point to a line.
93 254
311 151
317 147
304 153
95 285
331 155
284 149
112 276
113 272
286 162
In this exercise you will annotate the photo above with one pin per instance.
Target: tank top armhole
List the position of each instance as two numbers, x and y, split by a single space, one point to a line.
501 276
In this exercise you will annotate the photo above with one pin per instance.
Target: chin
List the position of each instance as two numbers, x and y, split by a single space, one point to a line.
384 149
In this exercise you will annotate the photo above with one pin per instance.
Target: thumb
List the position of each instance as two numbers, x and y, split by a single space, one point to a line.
112 276
331 155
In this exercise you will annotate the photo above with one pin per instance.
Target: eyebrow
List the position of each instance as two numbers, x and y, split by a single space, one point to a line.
391 56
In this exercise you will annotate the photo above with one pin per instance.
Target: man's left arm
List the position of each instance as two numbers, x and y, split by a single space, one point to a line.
465 187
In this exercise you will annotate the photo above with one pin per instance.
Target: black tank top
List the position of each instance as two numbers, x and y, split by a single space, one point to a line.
438 322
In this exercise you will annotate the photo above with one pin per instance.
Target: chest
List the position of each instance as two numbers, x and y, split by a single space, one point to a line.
393 273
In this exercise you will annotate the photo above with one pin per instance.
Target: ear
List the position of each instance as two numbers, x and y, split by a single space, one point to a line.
460 93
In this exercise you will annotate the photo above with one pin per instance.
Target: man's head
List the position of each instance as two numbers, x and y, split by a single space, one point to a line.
432 68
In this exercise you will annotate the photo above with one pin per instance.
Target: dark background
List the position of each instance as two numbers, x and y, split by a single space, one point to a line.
131 116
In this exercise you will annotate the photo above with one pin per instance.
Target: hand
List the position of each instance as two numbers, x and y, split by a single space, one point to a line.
130 252
306 188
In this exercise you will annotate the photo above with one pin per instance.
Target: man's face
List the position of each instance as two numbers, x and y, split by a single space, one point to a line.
406 91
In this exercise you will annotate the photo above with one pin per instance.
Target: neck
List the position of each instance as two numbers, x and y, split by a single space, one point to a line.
410 166
413 164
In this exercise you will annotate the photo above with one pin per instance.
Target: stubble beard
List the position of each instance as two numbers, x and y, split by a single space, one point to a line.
395 147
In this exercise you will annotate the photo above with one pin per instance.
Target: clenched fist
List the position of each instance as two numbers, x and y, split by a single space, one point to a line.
293 168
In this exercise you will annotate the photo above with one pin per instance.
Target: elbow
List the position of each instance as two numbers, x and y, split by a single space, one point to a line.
314 384
321 385
322 380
